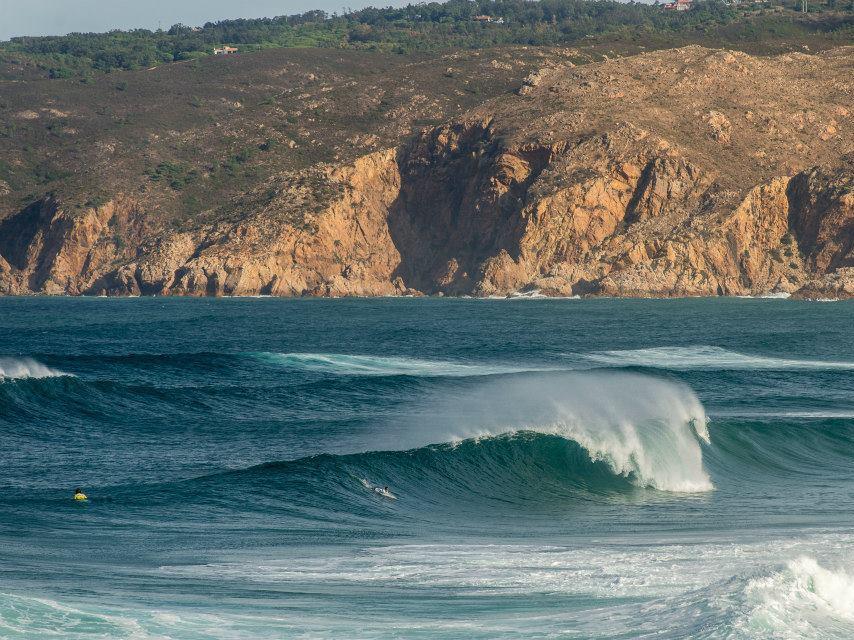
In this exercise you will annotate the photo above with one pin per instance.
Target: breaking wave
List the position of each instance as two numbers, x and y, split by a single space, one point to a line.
644 428
22 368
573 431
367 365
803 600
706 357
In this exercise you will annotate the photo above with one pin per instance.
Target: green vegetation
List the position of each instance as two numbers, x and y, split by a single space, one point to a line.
176 175
98 200
426 27
45 172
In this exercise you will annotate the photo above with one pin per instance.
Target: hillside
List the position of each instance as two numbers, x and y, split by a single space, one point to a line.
320 172
187 139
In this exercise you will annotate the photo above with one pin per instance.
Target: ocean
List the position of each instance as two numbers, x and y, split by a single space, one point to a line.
592 468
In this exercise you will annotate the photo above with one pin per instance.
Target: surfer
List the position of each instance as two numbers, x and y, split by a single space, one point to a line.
79 495
383 491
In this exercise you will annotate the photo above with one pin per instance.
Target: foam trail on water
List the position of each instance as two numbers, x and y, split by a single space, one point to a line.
32 617
646 429
21 368
22 616
817 414
368 365
705 357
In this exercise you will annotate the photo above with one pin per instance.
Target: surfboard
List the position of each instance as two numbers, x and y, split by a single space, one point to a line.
376 489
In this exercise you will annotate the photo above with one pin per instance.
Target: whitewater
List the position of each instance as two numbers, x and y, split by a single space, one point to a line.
560 468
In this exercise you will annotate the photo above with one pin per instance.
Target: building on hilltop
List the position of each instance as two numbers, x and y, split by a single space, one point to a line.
225 51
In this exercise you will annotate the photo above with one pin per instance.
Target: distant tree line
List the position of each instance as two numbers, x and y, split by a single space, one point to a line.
422 27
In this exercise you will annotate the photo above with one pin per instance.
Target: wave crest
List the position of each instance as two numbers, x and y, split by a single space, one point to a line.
705 357
22 368
368 365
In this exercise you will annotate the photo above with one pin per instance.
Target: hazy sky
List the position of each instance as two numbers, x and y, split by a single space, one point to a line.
52 17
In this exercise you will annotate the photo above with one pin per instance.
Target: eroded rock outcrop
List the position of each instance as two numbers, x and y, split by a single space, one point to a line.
48 249
618 214
342 248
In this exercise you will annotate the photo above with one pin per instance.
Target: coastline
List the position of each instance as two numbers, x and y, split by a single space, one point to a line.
509 297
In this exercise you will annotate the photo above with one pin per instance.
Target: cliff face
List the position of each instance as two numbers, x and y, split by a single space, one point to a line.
344 248
690 172
46 249
622 213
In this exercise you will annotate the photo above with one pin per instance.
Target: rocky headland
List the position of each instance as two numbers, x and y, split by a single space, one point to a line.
687 172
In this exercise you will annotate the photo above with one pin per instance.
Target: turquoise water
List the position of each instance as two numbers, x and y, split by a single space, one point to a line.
561 468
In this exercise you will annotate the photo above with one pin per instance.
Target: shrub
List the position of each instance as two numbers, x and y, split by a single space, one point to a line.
176 175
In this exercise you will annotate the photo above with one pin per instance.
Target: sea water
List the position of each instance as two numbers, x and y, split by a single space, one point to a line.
562 468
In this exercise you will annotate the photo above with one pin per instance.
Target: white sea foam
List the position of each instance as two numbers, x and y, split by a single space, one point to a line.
536 294
23 616
804 600
368 365
673 358
533 294
816 414
637 568
705 357
776 295
20 368
688 590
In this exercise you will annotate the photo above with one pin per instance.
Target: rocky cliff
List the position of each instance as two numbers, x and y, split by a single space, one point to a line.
674 173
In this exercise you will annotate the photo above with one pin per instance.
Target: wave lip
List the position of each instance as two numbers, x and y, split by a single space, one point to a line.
706 357
23 368
368 365
643 428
